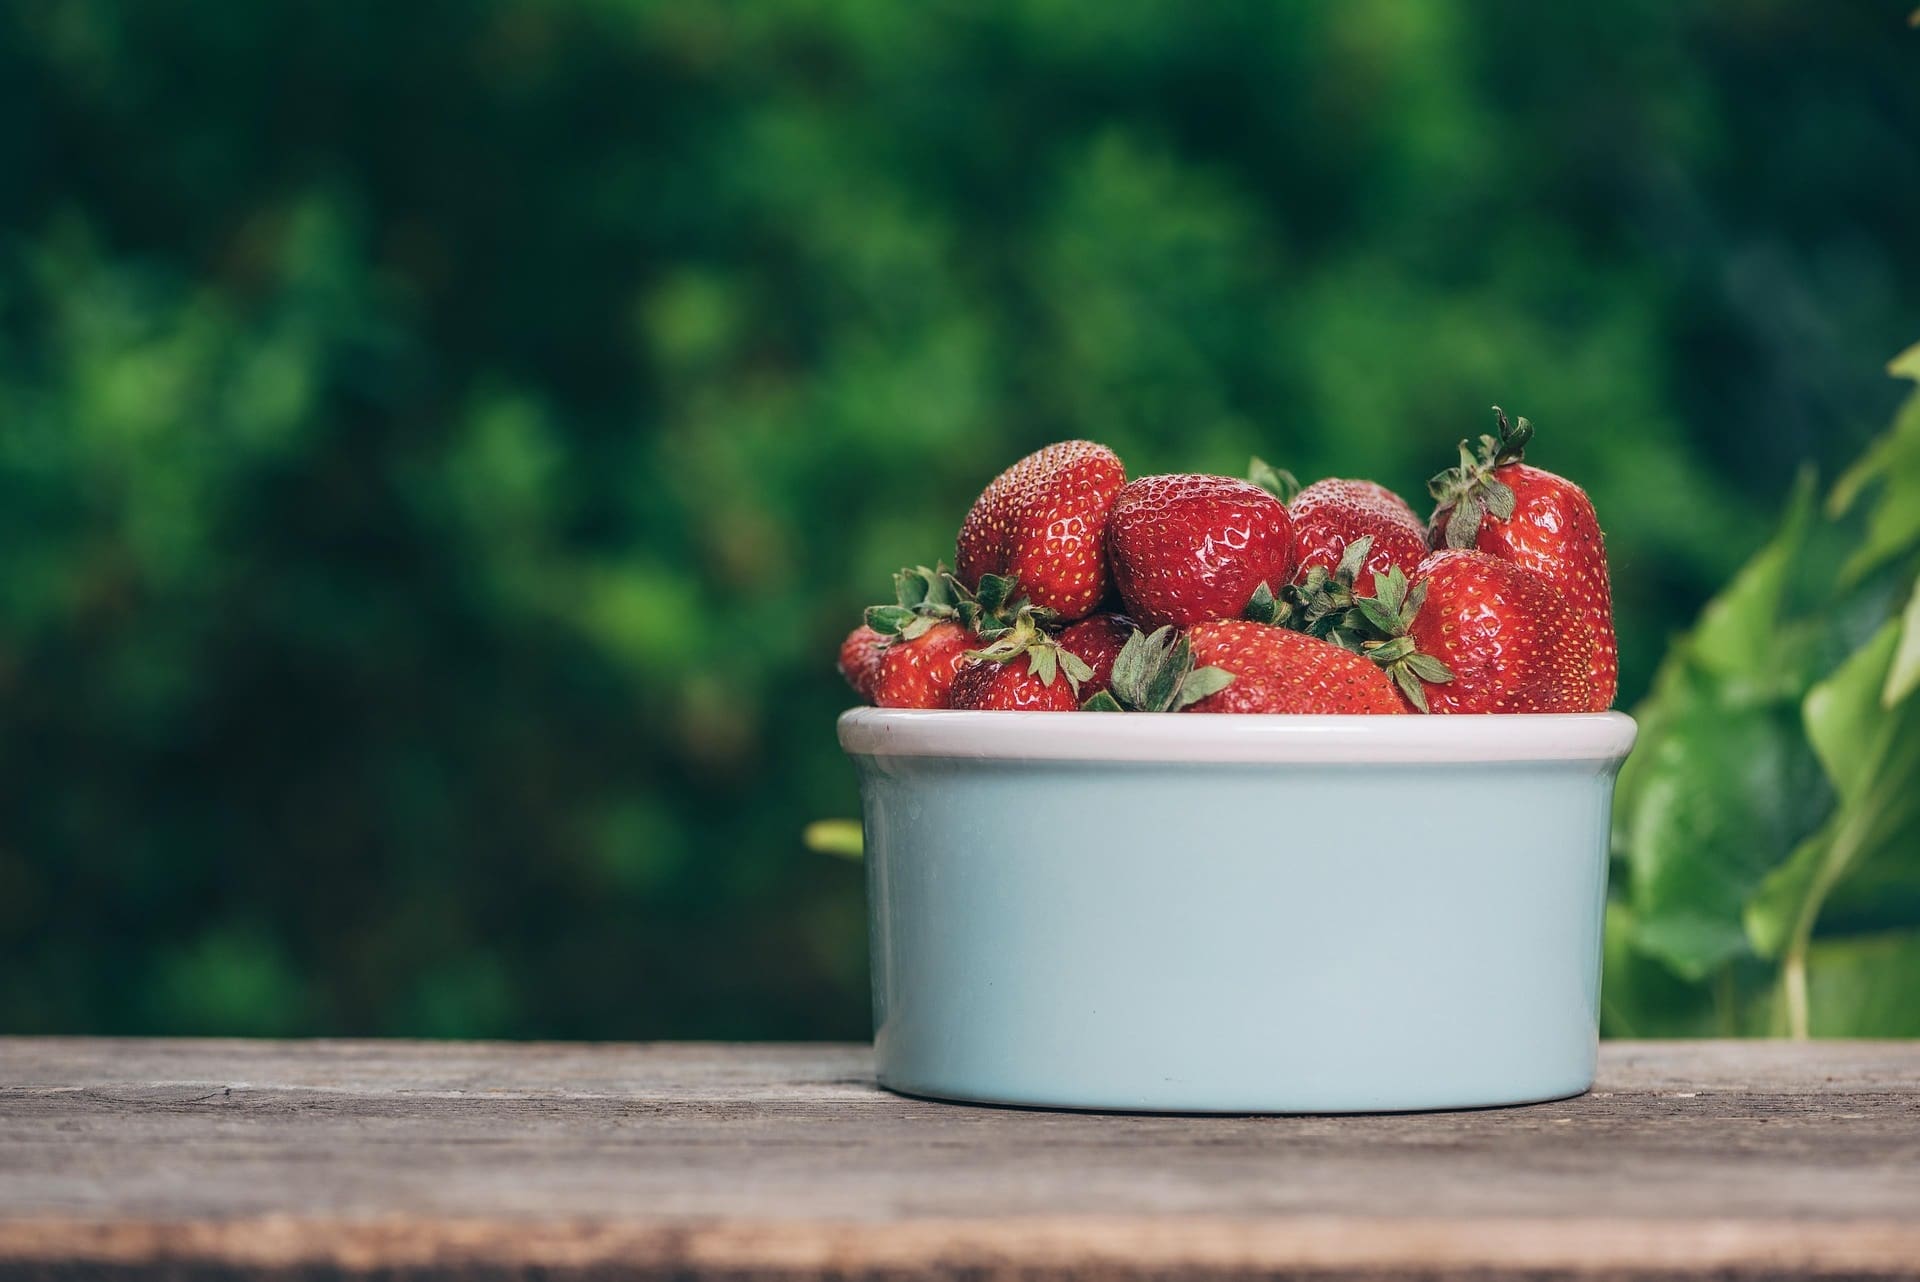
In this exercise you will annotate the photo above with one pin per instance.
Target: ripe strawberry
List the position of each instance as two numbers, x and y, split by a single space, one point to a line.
1186 549
1043 521
1021 669
1495 503
1097 640
1278 670
1329 515
988 685
918 671
860 656
928 631
1512 643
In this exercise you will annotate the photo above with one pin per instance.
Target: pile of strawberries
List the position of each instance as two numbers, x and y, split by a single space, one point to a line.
1076 589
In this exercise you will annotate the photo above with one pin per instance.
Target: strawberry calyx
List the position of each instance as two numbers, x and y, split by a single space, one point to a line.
1378 627
1314 603
924 597
1277 481
1046 658
1155 673
1471 489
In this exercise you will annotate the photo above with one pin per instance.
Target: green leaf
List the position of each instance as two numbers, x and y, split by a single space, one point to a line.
1165 680
1464 525
1865 986
1893 465
1276 481
1262 606
841 837
1101 701
1863 868
1043 662
1352 558
1428 668
1500 499
1202 682
1076 668
1722 796
1409 686
1379 614
1906 364
1738 638
888 620
1903 676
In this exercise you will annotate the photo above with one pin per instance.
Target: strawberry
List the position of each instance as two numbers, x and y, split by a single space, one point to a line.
1499 505
1330 515
1186 549
1014 686
1097 640
1278 670
927 633
918 671
1043 521
860 656
1507 636
1021 669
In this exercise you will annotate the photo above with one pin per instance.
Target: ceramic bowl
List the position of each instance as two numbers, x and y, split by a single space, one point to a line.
1190 913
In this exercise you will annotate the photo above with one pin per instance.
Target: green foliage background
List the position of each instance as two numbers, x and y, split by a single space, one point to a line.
442 443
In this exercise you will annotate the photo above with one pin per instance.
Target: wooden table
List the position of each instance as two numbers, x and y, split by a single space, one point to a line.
324 1159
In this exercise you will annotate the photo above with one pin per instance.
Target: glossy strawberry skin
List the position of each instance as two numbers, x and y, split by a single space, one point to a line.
1554 533
1097 639
1186 549
1513 643
983 685
1330 514
919 673
860 657
1044 521
1276 670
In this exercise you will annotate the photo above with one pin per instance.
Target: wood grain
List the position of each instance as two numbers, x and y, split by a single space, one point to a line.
350 1159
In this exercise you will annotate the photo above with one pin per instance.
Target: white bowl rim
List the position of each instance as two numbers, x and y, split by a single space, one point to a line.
1173 738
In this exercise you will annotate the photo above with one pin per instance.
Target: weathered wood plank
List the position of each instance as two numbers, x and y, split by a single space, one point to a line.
350 1158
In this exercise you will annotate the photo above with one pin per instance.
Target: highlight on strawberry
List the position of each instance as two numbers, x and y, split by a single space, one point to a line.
1074 589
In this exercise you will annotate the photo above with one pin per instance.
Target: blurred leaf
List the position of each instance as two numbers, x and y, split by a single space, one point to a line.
842 837
1893 463
1872 756
1722 795
1864 986
1903 675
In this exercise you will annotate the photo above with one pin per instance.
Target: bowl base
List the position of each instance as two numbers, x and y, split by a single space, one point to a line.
1199 1106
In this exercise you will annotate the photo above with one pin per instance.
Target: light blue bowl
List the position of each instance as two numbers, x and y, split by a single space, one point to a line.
1230 914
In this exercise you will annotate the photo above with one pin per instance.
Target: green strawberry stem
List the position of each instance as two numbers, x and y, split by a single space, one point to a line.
1471 489
1377 627
1046 657
1155 673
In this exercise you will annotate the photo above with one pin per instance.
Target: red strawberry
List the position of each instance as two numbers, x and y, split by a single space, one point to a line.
860 656
1512 643
1186 549
1328 515
1097 640
1545 523
1278 670
1044 522
991 686
918 671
